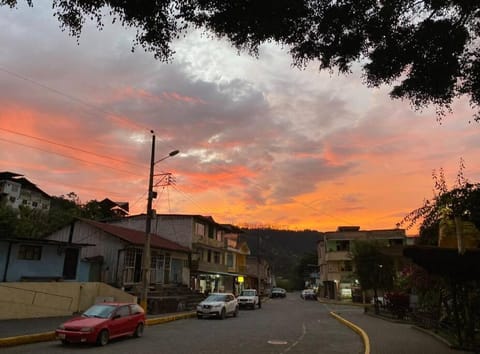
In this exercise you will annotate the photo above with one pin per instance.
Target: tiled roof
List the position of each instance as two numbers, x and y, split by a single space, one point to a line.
136 237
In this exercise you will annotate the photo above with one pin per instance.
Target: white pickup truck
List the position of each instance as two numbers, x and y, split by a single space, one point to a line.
249 298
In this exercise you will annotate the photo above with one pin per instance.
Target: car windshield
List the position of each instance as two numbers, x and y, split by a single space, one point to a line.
100 311
247 293
216 297
277 289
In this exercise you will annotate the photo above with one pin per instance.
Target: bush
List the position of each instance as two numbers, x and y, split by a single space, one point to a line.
397 303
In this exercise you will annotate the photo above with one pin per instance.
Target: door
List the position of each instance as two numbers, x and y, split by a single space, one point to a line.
70 263
177 265
121 322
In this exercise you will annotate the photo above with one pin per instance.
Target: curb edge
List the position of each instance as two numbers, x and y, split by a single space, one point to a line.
355 328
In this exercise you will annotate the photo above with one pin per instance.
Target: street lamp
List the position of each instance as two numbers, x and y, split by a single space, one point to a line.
146 250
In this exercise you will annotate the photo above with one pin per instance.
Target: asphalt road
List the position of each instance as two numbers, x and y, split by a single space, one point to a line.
289 325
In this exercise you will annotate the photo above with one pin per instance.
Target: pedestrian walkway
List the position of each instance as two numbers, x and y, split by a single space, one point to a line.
388 337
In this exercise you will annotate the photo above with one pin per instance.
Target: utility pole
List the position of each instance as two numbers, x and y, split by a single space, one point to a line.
146 249
146 259
258 263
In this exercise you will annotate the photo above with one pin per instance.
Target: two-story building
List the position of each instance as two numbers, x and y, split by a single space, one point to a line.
217 259
335 260
16 190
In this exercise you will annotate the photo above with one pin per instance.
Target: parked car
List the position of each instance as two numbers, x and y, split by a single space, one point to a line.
308 294
249 298
218 305
278 292
103 322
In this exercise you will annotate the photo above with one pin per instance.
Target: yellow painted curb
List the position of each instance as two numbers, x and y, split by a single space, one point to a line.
49 336
361 332
155 321
26 339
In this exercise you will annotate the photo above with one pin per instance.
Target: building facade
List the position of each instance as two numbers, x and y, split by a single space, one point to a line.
336 273
115 256
217 260
16 191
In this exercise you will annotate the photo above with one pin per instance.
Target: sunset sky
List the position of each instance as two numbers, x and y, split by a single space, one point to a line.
261 142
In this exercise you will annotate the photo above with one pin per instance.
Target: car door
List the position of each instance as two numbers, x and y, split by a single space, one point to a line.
231 303
120 323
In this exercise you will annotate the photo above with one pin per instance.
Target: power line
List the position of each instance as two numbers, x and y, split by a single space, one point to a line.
71 157
71 147
75 99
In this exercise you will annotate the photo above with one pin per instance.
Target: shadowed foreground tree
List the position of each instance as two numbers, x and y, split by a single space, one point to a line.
427 50
374 269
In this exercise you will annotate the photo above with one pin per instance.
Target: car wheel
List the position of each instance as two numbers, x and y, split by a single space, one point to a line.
139 330
235 313
64 341
223 314
102 338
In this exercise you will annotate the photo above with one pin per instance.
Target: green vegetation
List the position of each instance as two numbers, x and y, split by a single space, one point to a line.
287 252
450 298
33 223
374 269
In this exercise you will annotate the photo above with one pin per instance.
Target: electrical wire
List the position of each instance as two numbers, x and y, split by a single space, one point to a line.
71 147
71 157
75 99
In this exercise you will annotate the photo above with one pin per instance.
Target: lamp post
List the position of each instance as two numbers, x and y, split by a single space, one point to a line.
146 249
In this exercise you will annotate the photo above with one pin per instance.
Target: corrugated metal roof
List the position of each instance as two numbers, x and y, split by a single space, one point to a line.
136 237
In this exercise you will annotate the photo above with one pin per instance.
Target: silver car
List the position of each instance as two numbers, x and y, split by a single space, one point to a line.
218 305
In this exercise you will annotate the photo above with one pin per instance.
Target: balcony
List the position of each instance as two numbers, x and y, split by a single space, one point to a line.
203 240
338 256
202 266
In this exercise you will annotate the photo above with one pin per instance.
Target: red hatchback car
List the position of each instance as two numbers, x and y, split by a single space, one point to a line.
103 322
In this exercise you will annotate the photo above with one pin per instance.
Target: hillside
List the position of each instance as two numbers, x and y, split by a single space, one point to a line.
282 248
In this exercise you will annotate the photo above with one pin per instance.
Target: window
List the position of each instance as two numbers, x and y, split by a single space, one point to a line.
230 260
28 252
217 257
34 204
123 311
199 229
219 235
347 266
12 199
209 256
24 202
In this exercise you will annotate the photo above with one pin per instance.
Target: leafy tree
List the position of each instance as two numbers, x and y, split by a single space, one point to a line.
426 49
97 211
462 201
374 269
8 219
306 265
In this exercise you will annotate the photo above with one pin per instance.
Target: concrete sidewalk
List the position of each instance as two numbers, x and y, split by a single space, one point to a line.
23 331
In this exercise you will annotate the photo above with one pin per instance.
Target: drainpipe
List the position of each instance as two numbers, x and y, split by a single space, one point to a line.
70 234
7 261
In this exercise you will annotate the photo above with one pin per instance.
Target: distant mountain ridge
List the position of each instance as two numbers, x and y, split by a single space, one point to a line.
282 248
